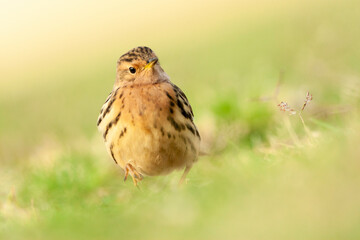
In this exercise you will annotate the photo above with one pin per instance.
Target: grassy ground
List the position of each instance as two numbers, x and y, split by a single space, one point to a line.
268 176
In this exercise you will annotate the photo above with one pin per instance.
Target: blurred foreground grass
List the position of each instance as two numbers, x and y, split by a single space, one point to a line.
265 178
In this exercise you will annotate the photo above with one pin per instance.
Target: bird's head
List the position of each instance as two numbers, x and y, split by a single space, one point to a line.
139 65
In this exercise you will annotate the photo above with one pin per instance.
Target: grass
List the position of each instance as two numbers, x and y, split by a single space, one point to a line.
266 176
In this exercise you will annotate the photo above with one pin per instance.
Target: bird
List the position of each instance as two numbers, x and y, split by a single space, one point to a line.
147 122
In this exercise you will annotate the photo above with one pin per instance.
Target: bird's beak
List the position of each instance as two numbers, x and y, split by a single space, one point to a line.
150 63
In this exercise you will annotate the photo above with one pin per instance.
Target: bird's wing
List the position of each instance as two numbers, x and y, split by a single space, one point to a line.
183 103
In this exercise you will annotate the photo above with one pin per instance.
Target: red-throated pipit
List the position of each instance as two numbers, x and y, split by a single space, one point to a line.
147 121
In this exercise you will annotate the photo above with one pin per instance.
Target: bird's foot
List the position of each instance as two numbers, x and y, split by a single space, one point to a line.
183 177
136 176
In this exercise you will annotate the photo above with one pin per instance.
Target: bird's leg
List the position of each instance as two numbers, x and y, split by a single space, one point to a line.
183 177
130 169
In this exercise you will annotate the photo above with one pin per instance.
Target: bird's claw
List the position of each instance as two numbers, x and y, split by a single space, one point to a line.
136 176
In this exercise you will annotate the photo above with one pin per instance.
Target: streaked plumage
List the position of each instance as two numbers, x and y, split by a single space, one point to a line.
147 121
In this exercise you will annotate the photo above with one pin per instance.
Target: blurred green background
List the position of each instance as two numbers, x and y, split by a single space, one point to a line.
267 176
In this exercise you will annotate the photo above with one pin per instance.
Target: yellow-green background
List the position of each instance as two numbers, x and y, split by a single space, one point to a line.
266 175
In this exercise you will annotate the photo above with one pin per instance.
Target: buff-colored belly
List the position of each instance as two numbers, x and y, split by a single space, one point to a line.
155 151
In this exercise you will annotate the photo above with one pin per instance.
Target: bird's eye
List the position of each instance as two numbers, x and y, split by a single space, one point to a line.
132 70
